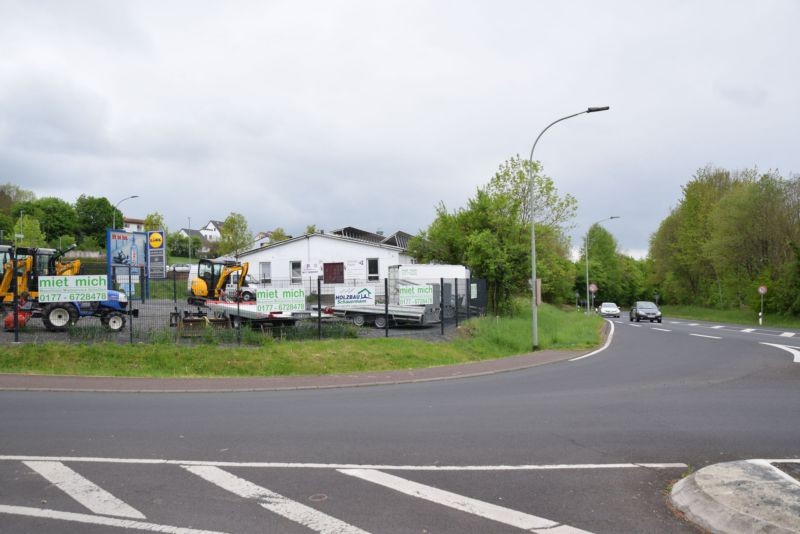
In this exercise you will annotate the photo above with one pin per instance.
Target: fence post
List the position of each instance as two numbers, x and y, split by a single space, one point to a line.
441 301
319 308
386 305
130 304
16 299
174 285
455 281
238 297
469 296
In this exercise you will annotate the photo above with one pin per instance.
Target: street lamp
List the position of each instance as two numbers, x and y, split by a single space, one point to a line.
586 253
533 231
114 211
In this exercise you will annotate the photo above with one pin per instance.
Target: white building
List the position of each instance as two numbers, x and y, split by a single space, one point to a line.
211 231
345 255
133 225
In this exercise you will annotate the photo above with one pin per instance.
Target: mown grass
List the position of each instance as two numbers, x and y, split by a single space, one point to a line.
736 316
480 339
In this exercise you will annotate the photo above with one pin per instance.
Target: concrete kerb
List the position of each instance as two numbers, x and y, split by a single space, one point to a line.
747 496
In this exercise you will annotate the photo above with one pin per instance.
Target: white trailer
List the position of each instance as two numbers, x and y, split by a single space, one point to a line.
397 315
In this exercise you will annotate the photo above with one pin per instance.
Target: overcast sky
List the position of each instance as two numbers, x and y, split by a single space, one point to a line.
370 113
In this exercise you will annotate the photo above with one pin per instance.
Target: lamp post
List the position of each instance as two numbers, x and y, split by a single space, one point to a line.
533 231
114 211
190 239
586 254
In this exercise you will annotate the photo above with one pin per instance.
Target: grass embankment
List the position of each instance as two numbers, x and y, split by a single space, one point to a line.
736 316
480 339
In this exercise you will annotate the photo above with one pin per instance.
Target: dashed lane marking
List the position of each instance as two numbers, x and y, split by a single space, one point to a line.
694 324
787 334
717 327
45 513
748 330
708 337
661 329
274 502
483 509
82 490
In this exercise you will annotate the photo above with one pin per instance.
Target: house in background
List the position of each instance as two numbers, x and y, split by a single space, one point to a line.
129 224
205 244
212 231
345 255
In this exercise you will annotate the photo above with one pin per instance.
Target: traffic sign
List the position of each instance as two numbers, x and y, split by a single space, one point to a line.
762 290
592 288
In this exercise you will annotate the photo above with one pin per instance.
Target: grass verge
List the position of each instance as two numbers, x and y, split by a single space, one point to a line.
480 339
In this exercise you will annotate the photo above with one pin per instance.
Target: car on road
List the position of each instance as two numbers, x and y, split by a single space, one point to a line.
180 267
645 310
609 309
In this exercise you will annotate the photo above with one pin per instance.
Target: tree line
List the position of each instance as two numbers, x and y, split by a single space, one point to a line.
37 222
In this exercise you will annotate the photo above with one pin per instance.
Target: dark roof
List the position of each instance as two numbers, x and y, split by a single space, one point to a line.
398 239
357 233
218 224
192 233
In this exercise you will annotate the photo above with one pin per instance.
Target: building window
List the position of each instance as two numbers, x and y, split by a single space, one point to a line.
372 270
265 272
297 276
333 273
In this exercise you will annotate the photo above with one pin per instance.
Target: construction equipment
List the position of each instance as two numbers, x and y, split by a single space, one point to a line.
212 279
27 264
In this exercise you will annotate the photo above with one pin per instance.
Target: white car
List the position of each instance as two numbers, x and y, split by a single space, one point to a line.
609 309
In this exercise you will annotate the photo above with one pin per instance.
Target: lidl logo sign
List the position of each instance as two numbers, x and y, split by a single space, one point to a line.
156 239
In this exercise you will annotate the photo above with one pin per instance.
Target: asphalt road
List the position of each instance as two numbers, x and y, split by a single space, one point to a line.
589 444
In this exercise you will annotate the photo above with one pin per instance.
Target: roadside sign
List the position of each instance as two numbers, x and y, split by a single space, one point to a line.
280 299
762 290
82 288
592 288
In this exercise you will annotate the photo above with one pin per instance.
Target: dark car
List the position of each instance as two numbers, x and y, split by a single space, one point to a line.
645 310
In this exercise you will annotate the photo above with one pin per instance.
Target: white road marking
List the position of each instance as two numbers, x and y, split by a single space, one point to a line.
794 351
601 349
693 324
500 514
661 329
99 520
675 322
636 325
82 490
274 502
521 467
787 334
717 327
709 337
749 330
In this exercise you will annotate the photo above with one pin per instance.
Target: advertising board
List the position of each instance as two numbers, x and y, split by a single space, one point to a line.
81 288
280 299
354 296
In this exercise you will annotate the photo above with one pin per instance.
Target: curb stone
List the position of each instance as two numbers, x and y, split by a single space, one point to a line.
748 496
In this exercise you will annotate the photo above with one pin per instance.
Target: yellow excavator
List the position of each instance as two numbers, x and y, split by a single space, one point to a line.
212 278
32 263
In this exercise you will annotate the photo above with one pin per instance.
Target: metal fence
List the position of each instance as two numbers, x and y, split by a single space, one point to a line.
158 312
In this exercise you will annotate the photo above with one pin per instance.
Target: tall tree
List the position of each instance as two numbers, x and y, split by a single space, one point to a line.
11 194
32 235
235 236
550 209
279 234
95 215
56 217
154 221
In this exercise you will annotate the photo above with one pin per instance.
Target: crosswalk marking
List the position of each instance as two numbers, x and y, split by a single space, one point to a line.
82 490
45 513
500 514
274 502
